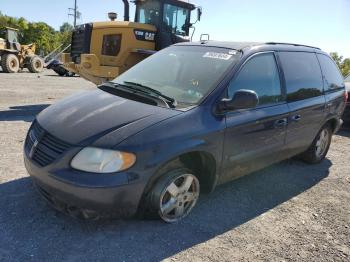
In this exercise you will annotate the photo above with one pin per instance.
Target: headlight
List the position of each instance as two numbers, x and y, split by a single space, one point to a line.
97 160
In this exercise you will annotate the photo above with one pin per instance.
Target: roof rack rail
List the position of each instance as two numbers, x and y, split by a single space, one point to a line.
276 43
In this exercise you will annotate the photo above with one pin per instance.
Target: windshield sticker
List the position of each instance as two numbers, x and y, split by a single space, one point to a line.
232 52
214 55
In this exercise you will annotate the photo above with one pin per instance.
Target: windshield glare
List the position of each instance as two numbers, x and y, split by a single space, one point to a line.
185 73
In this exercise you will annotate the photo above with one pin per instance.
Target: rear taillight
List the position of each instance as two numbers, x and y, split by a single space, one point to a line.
346 96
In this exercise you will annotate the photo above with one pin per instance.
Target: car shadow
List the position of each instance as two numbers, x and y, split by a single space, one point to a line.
345 132
32 230
22 113
62 76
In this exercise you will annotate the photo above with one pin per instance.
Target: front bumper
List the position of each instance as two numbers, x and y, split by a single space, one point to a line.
87 195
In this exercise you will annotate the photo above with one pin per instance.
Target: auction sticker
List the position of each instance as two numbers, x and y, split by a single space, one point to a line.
214 55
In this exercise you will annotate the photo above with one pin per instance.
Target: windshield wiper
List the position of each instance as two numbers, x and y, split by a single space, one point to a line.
142 90
149 90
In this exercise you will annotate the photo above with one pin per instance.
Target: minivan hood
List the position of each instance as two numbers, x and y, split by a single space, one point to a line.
85 117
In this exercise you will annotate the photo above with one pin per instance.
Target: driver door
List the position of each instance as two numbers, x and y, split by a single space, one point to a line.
255 138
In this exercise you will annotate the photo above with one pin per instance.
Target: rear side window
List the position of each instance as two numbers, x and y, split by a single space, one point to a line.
333 78
261 75
302 74
111 45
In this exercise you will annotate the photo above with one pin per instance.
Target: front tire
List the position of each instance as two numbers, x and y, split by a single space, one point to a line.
174 195
10 63
35 65
320 146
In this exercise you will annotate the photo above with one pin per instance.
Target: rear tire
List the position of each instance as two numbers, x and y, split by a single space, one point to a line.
35 64
10 63
174 195
319 147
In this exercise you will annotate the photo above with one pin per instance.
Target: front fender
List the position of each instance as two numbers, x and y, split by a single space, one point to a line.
194 131
166 152
153 155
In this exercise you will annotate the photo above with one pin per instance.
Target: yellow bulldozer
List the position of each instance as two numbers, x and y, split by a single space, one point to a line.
101 51
15 56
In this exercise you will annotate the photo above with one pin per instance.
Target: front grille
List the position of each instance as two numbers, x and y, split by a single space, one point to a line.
42 147
81 38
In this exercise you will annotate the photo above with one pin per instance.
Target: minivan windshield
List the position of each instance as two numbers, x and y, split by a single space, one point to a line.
185 73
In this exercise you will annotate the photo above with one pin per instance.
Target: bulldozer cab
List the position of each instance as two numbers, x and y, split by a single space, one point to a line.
100 51
11 37
172 18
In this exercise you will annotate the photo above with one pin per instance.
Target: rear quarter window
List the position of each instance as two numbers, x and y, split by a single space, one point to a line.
332 77
302 75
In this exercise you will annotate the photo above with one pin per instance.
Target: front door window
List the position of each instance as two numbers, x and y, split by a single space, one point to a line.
261 75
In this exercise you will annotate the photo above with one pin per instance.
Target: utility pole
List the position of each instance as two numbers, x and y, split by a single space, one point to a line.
76 14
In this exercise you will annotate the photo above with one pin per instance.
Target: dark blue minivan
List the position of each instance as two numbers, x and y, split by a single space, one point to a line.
182 121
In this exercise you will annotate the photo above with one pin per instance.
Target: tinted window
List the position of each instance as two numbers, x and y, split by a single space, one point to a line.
111 45
2 33
259 74
302 74
333 78
148 12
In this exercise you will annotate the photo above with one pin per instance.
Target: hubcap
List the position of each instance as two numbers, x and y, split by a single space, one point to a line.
179 197
322 143
13 63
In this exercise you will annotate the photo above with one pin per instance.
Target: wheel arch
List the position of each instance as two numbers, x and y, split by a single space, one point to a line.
202 163
333 122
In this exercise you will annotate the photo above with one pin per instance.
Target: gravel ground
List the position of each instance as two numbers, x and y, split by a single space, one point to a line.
288 212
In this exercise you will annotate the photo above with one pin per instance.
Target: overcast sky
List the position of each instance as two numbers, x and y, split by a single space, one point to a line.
322 23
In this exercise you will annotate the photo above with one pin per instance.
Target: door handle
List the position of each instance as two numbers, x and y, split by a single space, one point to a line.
296 118
281 123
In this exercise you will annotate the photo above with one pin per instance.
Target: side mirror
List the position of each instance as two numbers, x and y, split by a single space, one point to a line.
242 99
199 13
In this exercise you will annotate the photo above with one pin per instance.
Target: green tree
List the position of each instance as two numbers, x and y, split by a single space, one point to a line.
346 67
343 64
44 36
66 33
66 27
337 58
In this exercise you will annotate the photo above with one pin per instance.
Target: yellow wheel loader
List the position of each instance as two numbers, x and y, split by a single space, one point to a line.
101 51
15 56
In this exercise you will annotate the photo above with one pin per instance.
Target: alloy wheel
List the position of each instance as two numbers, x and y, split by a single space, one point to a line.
179 197
322 143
